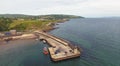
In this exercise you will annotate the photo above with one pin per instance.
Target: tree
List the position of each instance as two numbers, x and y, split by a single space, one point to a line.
5 23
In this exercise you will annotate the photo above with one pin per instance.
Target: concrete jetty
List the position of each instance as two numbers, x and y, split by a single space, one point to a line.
59 49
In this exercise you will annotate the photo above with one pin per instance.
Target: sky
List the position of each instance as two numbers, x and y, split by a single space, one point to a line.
85 8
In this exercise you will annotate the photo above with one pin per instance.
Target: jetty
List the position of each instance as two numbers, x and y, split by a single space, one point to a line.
59 49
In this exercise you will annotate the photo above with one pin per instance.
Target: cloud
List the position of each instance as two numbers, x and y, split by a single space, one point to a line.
87 8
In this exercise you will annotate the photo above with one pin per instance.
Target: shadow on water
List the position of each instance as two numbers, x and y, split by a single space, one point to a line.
38 61
34 61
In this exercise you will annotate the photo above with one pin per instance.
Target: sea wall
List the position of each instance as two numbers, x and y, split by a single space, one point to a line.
24 36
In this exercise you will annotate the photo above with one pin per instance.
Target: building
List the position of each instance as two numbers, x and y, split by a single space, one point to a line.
1 34
13 32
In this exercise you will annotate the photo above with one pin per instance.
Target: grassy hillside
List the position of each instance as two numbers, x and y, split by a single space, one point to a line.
14 15
28 22
52 16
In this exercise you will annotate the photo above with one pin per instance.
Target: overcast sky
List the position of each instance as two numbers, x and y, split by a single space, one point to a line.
86 8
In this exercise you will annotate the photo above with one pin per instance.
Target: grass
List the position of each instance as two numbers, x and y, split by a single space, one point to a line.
22 25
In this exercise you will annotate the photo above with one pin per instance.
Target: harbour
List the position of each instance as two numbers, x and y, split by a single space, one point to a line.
59 49
98 37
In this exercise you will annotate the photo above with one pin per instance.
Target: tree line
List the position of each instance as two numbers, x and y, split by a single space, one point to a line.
5 23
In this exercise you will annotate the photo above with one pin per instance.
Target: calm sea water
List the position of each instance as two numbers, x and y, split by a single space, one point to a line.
99 39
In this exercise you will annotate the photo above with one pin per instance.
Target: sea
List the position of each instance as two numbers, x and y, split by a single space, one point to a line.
98 38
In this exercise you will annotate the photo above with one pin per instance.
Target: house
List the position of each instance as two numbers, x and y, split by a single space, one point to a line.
1 35
13 32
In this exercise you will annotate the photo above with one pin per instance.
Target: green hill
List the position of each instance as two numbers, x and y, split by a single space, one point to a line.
22 22
52 16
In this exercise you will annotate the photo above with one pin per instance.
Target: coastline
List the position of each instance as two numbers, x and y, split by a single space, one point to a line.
50 27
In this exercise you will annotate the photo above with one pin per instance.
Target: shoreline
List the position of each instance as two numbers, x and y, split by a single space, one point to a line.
51 26
32 35
21 37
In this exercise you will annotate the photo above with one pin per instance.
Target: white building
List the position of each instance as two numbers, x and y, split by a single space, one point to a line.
13 32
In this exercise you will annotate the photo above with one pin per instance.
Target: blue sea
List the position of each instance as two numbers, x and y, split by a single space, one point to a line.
99 39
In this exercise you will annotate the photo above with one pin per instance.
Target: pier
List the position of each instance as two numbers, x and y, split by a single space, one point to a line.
59 49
